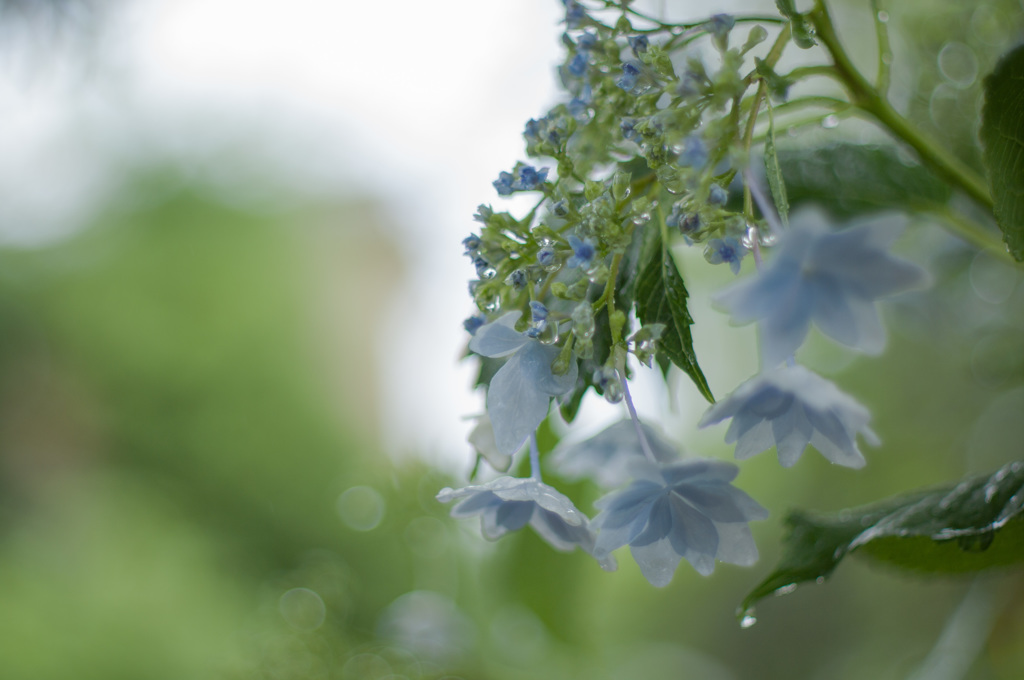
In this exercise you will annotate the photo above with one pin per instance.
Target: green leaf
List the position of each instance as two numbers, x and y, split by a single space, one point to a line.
661 298
854 179
1002 134
962 528
774 171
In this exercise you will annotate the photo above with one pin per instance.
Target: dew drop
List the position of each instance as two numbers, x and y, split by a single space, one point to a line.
748 619
820 580
785 590
883 17
830 122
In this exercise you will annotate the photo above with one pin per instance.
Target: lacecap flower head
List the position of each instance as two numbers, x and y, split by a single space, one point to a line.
830 278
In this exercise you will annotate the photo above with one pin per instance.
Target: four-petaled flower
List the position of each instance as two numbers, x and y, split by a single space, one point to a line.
686 510
609 456
520 392
583 252
508 504
790 408
728 249
830 278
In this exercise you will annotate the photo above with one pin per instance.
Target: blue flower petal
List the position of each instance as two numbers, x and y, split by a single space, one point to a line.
498 338
693 533
515 405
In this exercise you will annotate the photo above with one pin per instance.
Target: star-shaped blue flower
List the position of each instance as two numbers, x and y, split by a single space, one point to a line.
687 510
520 392
609 456
831 278
790 408
508 504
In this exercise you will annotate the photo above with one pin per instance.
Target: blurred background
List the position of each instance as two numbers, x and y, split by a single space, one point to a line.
231 289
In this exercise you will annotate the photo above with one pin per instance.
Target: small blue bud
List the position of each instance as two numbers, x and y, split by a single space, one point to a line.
583 252
472 244
586 41
690 223
694 153
720 25
536 329
628 129
725 250
546 256
630 76
639 44
529 178
503 185
473 323
538 310
578 109
561 208
518 278
578 65
717 195
574 13
482 266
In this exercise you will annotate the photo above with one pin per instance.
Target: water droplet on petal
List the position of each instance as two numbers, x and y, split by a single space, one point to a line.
830 122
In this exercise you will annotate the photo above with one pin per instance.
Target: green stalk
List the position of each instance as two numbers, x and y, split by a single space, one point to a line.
865 97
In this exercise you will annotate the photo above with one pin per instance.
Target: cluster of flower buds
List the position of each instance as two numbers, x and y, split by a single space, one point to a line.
649 150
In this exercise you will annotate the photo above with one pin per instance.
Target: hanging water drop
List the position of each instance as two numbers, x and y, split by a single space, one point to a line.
749 618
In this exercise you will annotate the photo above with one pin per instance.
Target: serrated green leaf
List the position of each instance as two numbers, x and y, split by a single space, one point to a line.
966 527
774 171
854 179
1002 134
661 298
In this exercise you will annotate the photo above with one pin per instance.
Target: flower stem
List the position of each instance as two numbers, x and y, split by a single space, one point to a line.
645 445
865 97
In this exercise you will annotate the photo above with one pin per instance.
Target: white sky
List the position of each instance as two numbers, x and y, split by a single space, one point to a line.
419 104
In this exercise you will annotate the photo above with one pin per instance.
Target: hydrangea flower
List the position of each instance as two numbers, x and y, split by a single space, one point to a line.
583 252
520 392
630 76
686 510
790 408
522 178
829 277
728 249
508 504
609 456
694 153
